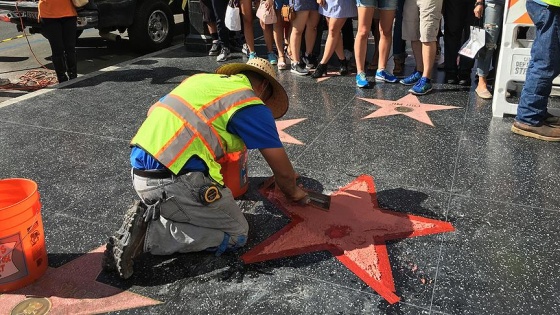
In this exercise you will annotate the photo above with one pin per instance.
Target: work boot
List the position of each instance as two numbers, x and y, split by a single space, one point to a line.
72 65
542 132
127 243
60 68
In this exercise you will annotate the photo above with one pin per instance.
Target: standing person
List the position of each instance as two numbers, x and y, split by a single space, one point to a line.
175 171
492 12
268 32
420 25
336 12
209 18
58 24
219 7
366 10
248 33
306 21
458 17
399 45
533 119
280 34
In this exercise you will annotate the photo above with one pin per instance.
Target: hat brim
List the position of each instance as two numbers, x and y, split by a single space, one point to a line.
278 102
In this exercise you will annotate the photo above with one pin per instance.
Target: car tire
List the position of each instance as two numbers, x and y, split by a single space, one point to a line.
152 28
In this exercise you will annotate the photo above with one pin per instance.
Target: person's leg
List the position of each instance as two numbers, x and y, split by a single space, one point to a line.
310 37
466 64
365 18
278 34
348 38
219 7
52 30
411 32
543 67
452 36
247 15
69 30
269 42
332 45
298 25
209 18
386 36
492 24
399 45
375 31
185 223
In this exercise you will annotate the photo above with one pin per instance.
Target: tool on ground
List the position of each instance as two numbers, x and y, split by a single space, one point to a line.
314 199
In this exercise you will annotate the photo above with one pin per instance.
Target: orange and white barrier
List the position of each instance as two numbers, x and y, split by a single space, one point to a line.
515 55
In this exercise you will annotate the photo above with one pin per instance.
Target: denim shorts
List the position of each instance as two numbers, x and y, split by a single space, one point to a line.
379 4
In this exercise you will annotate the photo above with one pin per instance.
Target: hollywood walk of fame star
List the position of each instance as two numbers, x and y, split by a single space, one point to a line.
354 230
409 106
72 289
328 75
284 136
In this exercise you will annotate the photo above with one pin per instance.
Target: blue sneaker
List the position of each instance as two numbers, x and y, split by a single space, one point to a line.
361 80
422 87
384 75
272 58
412 79
252 55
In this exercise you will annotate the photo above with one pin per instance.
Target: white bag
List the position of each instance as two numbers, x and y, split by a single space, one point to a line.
476 41
233 19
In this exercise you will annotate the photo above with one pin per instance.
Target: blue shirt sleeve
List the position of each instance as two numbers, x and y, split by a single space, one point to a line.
256 127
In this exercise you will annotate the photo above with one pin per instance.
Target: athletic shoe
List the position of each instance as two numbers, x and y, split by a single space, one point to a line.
361 80
245 49
224 54
299 69
310 61
215 49
252 55
424 86
412 79
272 58
384 75
127 243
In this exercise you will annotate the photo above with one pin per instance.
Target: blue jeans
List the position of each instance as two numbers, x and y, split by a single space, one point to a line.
493 15
543 67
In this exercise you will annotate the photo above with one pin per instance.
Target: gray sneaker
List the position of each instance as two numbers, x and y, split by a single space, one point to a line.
224 54
299 69
215 49
127 243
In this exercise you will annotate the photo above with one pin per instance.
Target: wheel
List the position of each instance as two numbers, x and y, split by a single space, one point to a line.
152 28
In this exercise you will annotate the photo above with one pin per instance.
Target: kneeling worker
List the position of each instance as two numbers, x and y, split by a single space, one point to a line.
185 206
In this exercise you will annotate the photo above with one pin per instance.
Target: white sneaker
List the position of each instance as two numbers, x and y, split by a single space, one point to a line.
224 54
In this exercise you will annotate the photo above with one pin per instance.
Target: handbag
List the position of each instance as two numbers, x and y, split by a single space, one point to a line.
288 13
79 3
477 40
233 19
266 14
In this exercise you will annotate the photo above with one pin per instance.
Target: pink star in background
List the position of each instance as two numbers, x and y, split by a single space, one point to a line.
328 75
285 137
354 231
72 289
409 106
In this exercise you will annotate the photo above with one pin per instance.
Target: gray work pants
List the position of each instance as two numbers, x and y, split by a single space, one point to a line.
185 224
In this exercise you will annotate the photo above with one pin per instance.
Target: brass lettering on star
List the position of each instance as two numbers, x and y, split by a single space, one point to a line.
35 306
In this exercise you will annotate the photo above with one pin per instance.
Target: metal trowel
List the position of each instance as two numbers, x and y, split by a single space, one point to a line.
315 199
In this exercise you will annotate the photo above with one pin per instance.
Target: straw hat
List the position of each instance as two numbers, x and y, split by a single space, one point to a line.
278 102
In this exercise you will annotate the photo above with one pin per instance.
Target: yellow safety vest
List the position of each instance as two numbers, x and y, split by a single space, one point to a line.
192 120
555 3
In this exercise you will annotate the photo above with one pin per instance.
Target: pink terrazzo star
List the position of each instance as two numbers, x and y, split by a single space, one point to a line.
285 137
409 106
72 289
354 230
328 75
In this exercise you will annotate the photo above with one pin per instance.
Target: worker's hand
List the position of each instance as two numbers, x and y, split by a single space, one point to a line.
479 11
299 196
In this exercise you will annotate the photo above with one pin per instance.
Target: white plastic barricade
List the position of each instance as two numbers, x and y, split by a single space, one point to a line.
515 54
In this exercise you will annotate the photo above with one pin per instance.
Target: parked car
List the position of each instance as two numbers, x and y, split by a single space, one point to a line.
149 23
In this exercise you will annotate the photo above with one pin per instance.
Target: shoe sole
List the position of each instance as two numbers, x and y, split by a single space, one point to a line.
532 134
408 84
119 247
213 53
377 79
222 60
362 86
420 93
299 73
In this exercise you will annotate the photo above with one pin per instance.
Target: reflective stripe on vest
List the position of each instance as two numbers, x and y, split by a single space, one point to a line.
555 3
198 124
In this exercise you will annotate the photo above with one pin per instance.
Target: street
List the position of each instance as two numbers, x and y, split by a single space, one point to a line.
20 54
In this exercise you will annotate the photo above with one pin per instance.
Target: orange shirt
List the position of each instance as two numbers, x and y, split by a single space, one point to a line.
56 8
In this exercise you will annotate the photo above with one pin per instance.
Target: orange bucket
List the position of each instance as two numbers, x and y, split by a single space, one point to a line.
234 171
23 256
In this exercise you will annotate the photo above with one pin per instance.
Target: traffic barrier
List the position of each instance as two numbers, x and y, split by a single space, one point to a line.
515 54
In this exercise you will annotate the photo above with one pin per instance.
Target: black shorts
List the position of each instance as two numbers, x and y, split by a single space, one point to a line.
207 11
